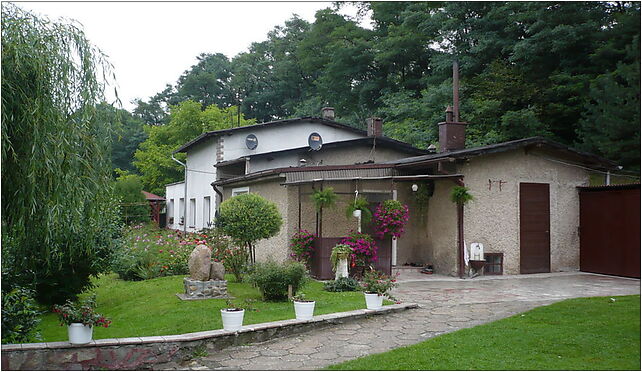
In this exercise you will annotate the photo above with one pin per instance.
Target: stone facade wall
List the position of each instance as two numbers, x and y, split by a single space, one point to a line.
442 229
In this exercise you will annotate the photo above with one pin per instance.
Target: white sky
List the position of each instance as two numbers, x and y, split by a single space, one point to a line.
151 44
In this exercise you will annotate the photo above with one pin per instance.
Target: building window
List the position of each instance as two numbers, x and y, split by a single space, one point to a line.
494 263
170 212
240 190
181 212
207 217
192 213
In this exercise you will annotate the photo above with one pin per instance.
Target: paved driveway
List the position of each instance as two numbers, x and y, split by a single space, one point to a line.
445 305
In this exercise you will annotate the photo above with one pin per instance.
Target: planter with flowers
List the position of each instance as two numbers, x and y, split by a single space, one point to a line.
80 319
232 317
339 260
364 252
301 245
389 219
376 286
303 308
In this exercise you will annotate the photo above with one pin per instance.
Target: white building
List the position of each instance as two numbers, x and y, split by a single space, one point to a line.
234 152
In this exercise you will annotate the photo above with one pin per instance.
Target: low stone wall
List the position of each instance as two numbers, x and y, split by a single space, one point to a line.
135 353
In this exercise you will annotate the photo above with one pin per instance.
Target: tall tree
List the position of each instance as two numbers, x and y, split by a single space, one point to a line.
58 216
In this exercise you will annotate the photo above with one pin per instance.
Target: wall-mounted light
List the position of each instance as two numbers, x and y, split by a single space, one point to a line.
415 187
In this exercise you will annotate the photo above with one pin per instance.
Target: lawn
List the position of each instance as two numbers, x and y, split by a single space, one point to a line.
577 334
151 308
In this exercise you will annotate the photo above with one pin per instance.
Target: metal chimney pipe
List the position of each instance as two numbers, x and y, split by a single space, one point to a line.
456 91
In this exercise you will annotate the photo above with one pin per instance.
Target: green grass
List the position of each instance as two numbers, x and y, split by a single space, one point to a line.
577 334
151 308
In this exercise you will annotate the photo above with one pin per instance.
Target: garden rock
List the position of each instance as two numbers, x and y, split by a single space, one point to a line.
200 262
217 271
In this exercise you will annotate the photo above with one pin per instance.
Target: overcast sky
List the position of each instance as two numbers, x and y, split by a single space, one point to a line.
151 43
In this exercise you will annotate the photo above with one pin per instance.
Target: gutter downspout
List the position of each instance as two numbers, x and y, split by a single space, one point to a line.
218 205
460 233
184 193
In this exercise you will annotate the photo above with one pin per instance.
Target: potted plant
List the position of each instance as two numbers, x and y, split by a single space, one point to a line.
460 195
303 308
80 319
232 316
339 260
376 286
390 218
323 198
364 252
359 208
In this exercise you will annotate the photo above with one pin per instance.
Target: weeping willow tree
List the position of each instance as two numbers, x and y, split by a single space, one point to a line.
58 216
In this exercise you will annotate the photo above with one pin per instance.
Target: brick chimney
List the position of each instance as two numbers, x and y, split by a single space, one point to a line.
375 127
327 113
452 135
452 132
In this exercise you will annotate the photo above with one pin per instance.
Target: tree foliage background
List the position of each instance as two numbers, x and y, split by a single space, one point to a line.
58 216
569 71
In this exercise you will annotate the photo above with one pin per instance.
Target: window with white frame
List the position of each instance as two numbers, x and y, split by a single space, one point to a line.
192 213
207 217
181 212
170 212
240 190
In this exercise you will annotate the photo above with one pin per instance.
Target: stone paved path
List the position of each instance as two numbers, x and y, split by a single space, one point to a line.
445 306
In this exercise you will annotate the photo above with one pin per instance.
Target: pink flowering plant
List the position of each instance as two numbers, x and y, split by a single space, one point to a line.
301 246
81 312
389 219
379 283
364 249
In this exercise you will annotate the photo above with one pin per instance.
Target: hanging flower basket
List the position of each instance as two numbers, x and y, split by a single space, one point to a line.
390 218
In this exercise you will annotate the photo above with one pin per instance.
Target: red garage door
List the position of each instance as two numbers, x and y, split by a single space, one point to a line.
610 230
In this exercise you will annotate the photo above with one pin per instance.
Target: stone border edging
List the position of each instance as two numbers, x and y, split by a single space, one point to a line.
132 352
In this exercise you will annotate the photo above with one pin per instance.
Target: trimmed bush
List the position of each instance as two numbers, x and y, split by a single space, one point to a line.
342 285
273 278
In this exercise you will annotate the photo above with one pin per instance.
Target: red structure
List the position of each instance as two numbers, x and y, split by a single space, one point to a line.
155 205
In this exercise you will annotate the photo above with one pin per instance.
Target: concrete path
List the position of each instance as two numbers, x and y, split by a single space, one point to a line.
445 306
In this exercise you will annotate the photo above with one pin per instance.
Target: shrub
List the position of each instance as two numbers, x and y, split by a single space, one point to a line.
248 218
20 316
342 285
301 246
273 279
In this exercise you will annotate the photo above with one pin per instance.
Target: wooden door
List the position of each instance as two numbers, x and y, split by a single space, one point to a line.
610 230
534 228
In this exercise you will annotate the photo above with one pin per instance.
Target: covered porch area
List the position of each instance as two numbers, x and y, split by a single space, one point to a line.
430 236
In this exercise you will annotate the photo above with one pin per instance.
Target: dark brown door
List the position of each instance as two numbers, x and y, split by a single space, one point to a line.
534 228
610 230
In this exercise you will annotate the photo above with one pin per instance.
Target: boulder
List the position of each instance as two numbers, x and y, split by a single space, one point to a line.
217 271
199 263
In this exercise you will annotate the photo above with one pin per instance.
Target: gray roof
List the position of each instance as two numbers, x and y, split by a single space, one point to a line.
542 142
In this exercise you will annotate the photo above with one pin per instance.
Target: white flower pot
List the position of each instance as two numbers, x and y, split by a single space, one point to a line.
304 310
232 320
79 333
373 301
